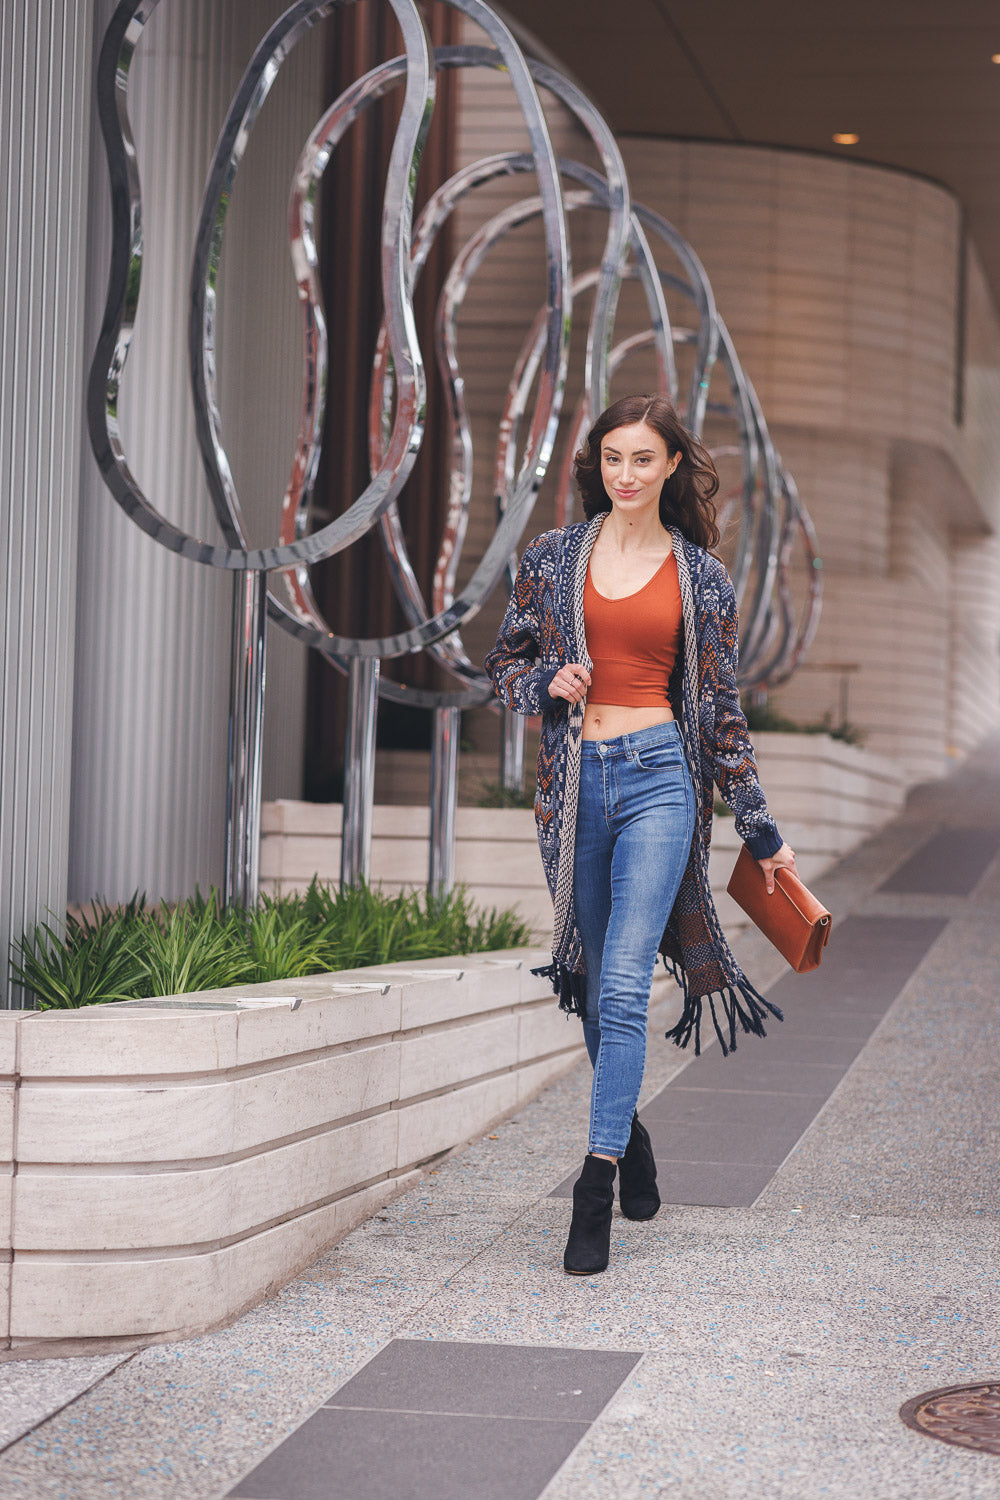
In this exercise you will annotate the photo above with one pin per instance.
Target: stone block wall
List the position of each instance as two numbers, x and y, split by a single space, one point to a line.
170 1162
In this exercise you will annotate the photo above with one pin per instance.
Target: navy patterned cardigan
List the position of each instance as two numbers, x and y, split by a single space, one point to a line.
542 629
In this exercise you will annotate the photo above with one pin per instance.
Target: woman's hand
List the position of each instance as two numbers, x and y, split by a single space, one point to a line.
570 682
783 858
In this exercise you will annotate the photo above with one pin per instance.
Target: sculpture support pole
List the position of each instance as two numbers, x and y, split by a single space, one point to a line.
444 799
359 770
246 729
512 751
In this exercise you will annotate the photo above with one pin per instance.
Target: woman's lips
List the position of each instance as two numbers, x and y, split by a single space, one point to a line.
626 494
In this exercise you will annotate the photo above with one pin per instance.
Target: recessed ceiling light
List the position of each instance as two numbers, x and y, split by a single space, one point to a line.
846 138
995 58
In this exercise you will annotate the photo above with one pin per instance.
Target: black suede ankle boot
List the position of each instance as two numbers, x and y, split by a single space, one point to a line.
637 1192
589 1243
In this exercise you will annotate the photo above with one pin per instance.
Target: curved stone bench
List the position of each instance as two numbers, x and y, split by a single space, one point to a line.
174 1160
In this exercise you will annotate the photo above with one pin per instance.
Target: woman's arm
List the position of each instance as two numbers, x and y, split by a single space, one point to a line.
734 760
526 634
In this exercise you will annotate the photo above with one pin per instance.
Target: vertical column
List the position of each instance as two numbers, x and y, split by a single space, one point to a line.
149 733
153 630
444 799
44 129
359 770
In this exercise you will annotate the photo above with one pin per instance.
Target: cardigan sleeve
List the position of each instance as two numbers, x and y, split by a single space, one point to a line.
524 660
735 763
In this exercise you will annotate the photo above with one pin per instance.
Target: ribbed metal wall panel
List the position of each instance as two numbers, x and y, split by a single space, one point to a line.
44 122
149 758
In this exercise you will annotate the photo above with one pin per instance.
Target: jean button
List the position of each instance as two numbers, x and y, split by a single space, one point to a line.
602 749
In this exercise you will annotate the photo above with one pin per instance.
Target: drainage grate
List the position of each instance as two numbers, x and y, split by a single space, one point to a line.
966 1415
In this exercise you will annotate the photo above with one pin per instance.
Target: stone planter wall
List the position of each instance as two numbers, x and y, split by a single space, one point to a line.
826 795
170 1162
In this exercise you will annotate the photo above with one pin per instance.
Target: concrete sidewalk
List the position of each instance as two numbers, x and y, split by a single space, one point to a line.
759 1343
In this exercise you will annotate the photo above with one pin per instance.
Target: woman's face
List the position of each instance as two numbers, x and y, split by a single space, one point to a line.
634 466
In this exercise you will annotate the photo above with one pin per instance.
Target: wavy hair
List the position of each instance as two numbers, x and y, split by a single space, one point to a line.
686 499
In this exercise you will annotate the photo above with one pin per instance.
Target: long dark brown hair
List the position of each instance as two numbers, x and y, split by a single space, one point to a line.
686 497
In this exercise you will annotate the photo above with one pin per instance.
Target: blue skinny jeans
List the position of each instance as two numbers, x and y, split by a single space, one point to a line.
635 819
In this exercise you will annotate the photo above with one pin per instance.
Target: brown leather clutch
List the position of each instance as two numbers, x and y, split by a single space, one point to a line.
791 918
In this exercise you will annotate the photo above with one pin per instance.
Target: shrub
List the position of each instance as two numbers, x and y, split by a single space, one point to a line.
136 950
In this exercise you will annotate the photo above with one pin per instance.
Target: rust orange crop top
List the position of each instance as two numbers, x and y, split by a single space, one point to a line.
633 642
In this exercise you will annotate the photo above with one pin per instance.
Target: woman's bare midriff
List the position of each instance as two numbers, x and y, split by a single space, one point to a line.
606 721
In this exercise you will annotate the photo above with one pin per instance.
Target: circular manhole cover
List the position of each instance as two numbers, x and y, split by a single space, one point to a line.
966 1415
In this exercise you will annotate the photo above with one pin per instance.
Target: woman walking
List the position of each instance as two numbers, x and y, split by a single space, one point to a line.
621 633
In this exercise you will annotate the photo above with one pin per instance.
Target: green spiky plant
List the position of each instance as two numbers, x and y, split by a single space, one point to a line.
136 950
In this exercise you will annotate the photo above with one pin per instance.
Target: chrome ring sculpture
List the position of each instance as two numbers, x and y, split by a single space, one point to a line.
275 580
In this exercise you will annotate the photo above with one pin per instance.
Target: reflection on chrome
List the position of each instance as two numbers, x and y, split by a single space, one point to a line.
718 402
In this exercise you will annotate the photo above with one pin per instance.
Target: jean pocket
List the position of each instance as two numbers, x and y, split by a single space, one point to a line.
663 757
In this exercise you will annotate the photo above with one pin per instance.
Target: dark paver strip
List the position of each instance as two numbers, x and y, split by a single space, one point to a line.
950 863
356 1455
446 1420
508 1380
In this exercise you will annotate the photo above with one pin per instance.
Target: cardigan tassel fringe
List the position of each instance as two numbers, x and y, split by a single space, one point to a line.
738 1003
571 988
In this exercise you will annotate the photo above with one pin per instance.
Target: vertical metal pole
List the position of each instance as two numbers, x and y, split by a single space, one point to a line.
359 770
512 733
444 799
246 729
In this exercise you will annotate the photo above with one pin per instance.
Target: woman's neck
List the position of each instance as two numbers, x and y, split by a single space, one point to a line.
641 534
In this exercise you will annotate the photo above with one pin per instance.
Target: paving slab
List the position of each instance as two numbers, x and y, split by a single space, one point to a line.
489 1380
361 1455
951 863
31 1391
444 1420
